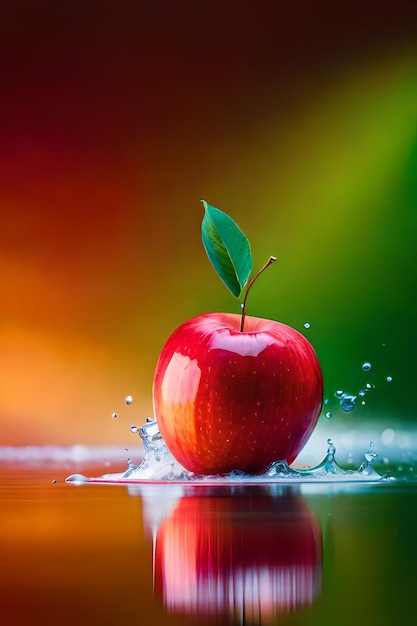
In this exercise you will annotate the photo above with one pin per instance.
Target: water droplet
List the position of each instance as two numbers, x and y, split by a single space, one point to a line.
347 403
307 325
339 393
326 401
114 415
363 403
128 399
54 481
371 444
389 379
76 478
133 429
369 386
329 415
366 366
362 392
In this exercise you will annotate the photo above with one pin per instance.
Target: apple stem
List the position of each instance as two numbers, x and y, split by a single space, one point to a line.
271 260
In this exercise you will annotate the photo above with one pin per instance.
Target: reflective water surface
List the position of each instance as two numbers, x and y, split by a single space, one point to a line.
222 554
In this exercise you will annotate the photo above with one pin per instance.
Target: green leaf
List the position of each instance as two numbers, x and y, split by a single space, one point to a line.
227 248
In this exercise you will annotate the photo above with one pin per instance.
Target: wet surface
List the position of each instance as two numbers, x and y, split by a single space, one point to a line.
223 554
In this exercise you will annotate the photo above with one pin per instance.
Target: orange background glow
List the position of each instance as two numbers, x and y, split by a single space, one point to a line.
118 117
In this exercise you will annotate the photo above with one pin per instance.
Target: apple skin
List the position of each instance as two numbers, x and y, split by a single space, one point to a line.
229 400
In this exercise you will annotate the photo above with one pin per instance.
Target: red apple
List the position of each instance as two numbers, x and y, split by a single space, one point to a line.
227 399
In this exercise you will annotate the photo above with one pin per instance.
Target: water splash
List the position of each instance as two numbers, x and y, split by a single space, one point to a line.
347 403
159 465
158 462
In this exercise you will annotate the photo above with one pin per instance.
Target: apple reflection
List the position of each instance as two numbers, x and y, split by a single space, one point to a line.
240 554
